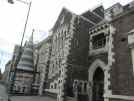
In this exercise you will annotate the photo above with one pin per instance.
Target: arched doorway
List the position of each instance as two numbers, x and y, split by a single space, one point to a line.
96 78
98 85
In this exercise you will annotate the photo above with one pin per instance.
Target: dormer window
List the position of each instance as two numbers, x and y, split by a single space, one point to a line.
99 41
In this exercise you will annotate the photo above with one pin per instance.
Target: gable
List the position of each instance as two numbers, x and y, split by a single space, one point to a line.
64 18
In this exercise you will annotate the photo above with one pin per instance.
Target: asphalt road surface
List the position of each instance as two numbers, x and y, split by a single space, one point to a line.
31 98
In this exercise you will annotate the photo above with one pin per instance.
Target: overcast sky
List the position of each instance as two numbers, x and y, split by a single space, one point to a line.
42 17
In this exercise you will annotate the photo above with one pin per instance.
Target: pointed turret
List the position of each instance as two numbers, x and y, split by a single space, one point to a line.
26 60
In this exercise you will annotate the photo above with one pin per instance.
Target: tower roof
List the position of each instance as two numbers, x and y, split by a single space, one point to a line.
26 60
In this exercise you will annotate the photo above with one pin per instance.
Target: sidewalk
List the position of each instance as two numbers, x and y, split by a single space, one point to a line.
32 98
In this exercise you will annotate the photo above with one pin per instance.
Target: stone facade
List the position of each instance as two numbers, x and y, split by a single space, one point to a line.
22 69
122 67
88 57
94 44
44 52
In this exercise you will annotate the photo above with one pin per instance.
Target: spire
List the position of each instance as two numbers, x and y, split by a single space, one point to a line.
26 60
31 38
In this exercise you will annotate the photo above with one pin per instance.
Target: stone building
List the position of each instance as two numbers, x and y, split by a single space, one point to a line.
70 48
88 57
23 69
121 54
92 55
44 50
28 70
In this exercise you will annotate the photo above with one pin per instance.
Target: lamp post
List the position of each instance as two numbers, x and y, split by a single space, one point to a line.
20 51
29 7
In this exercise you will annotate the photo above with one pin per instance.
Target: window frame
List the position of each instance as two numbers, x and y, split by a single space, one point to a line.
104 49
97 46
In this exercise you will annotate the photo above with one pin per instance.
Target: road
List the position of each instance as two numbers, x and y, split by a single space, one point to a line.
31 98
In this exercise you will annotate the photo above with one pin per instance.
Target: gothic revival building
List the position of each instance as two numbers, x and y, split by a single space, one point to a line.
92 55
43 52
68 76
88 57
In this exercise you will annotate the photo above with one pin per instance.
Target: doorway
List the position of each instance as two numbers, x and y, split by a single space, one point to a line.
98 85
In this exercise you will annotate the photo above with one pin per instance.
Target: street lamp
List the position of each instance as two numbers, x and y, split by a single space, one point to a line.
29 4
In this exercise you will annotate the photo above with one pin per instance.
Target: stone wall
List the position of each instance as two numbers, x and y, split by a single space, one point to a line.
122 78
77 60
